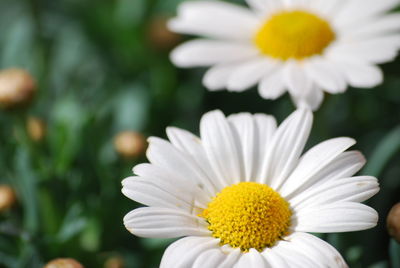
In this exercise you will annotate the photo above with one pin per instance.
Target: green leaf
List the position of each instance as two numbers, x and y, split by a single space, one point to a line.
69 119
90 238
394 251
353 254
25 183
74 222
7 261
19 46
131 106
49 212
381 264
130 12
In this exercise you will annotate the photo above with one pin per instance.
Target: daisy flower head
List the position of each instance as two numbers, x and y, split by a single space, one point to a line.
243 195
304 47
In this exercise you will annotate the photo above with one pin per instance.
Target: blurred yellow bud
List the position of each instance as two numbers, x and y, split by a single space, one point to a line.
130 144
36 128
63 263
17 87
160 36
7 197
114 262
393 222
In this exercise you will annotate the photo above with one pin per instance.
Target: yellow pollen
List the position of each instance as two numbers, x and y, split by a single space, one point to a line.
294 35
248 215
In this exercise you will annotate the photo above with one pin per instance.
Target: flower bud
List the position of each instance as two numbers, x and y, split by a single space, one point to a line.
63 263
393 222
17 87
160 36
129 144
114 262
36 128
7 197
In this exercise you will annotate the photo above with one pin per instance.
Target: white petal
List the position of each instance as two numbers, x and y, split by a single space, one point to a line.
265 8
191 145
221 147
217 76
164 223
326 75
316 249
273 6
184 140
209 258
327 8
312 100
302 3
231 259
361 74
314 161
286 147
336 217
259 6
250 73
357 10
168 179
298 83
365 50
245 129
161 153
344 165
292 256
355 189
252 259
289 3
162 193
184 252
274 259
203 52
266 128
215 19
272 86
377 26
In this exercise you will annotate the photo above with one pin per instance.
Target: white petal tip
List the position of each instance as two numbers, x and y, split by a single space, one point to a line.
177 58
173 25
211 85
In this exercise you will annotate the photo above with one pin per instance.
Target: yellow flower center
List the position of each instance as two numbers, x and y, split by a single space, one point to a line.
294 35
248 215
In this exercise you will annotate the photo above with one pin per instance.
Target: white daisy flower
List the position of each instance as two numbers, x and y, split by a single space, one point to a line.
243 196
303 46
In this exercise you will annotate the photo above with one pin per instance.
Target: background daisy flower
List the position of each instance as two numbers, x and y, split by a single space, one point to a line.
242 195
302 46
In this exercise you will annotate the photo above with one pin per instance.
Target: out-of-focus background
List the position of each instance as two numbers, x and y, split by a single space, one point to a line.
97 82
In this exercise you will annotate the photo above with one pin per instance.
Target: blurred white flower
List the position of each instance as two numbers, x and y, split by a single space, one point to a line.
302 46
243 195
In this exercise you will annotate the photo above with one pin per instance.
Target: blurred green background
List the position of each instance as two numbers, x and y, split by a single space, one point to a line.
102 67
